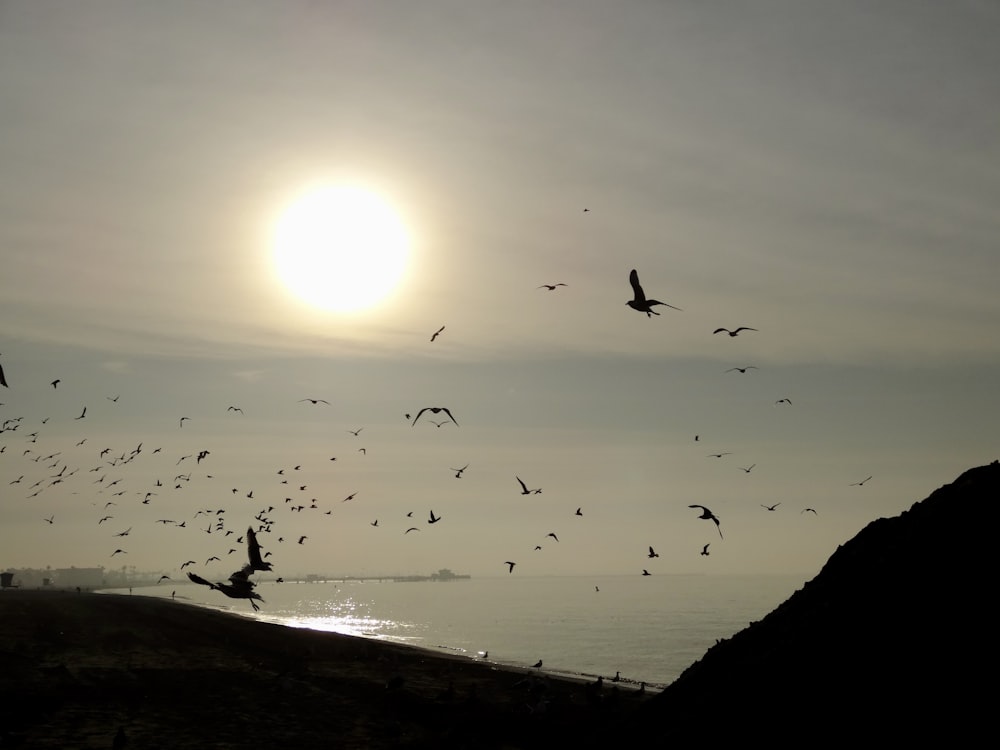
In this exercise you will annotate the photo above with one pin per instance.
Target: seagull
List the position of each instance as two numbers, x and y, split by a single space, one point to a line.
579 512
783 401
742 369
735 332
510 566
810 510
315 401
652 553
747 469
704 550
551 287
709 516
524 488
718 455
553 535
537 664
412 528
770 507
50 520
239 587
55 382
182 420
436 333
434 410
639 301
356 432
234 408
433 518
458 472
302 539
646 572
82 413
253 552
861 483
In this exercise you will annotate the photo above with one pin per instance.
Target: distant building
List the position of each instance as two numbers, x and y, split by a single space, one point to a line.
7 580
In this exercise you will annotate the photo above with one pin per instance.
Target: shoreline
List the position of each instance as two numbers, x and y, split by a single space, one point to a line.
84 664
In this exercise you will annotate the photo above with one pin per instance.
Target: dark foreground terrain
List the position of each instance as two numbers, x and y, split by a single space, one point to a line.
891 642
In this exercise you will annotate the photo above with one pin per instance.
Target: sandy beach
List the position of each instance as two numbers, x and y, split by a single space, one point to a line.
77 667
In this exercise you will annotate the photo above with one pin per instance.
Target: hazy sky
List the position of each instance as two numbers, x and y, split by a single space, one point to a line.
827 173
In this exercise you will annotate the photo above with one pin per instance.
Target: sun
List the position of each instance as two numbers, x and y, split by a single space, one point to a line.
340 248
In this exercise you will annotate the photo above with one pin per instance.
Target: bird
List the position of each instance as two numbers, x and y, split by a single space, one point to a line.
579 512
434 410
510 565
709 516
551 287
652 553
537 664
50 520
742 369
433 518
718 455
55 382
458 472
436 333
639 301
524 487
553 535
704 550
374 523
302 539
239 587
412 528
253 552
861 483
734 332
646 572
770 507
82 413
182 420
783 401
810 510
234 408
747 469
315 401
356 432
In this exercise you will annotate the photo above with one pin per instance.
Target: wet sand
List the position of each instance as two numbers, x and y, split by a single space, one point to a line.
76 667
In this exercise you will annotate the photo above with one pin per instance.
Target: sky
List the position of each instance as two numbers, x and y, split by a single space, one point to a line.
825 173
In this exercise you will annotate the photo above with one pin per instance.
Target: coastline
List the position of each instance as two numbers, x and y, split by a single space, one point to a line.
174 674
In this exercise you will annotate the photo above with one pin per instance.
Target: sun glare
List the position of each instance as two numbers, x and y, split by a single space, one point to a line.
340 248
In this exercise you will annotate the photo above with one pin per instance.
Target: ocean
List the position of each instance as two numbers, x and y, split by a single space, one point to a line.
647 628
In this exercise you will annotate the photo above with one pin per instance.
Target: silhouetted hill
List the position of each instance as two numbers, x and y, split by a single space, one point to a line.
892 640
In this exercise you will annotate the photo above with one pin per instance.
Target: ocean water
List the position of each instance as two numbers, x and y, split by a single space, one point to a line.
648 628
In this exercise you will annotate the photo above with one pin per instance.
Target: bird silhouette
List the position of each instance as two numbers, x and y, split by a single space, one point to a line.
746 469
459 472
524 487
553 535
433 518
810 510
646 572
704 550
537 664
437 333
639 301
315 401
510 566
783 401
356 432
771 508
82 413
652 553
55 382
741 369
861 483
253 552
709 516
434 410
551 287
734 332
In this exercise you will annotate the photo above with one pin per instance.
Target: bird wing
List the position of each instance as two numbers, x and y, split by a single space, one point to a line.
418 415
523 485
445 410
720 330
638 294
198 579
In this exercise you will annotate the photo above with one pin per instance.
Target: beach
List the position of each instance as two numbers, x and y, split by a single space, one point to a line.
79 666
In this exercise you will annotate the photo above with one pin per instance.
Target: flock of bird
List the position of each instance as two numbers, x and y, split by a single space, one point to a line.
56 470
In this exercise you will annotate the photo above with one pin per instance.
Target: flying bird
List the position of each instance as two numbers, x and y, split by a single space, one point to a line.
551 287
639 301
315 401
783 401
524 487
510 566
458 472
239 587
356 432
82 413
652 553
646 572
747 469
412 528
810 510
433 518
704 550
861 483
553 535
742 369
436 333
434 410
709 516
735 332
253 552
55 382
234 408
770 507
182 420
